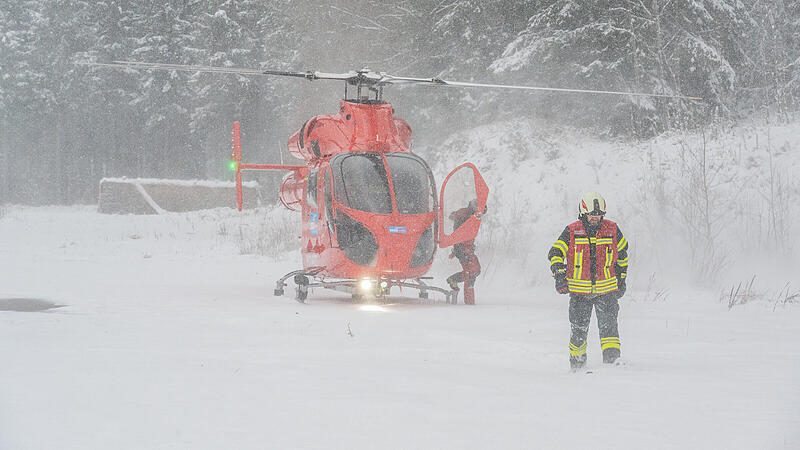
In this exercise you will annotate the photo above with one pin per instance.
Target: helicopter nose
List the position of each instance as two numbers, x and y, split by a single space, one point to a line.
398 249
401 239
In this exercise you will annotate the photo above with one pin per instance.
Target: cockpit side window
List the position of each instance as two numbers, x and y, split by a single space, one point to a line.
413 183
361 182
311 190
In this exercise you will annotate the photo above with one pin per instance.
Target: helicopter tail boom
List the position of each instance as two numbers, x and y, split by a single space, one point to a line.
236 164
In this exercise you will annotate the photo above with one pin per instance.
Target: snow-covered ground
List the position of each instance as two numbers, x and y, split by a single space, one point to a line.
166 336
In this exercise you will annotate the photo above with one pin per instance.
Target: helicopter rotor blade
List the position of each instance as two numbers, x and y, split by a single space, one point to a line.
309 75
366 77
171 67
389 79
361 77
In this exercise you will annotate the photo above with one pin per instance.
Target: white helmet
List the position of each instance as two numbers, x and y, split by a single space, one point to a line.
591 202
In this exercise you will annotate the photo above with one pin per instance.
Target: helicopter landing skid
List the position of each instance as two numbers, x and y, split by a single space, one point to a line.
351 286
451 296
300 279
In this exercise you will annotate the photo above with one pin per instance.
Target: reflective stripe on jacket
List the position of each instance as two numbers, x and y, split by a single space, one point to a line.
591 263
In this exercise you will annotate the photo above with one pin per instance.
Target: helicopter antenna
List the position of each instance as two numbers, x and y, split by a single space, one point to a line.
366 78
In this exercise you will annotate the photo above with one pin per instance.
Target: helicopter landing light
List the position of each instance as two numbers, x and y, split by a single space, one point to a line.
365 285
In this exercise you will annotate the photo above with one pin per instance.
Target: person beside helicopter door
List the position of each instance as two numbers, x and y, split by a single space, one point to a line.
589 260
465 253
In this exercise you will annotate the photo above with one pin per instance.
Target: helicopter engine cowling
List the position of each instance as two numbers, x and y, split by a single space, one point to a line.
292 191
357 127
308 143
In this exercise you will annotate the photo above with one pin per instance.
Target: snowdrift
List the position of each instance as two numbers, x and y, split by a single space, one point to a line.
705 209
156 196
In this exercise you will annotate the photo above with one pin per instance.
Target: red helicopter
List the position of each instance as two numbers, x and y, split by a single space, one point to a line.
371 215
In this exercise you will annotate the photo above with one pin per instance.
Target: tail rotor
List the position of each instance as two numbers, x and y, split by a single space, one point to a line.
236 162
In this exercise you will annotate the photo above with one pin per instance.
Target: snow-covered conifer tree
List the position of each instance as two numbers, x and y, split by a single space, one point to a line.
675 47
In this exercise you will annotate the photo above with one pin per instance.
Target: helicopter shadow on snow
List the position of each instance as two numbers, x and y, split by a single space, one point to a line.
377 303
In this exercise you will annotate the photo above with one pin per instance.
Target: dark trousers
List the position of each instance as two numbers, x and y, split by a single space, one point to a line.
580 313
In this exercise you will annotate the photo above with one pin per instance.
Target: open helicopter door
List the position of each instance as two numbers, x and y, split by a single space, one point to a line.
462 203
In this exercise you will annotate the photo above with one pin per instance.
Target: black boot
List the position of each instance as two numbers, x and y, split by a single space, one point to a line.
452 282
610 355
577 363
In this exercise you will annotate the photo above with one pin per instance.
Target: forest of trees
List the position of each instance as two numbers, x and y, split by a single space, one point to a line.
63 125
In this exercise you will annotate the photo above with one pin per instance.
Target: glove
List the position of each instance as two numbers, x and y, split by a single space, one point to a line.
561 282
620 287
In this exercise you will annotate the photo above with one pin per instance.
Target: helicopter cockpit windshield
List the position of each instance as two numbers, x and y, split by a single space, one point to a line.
361 183
413 183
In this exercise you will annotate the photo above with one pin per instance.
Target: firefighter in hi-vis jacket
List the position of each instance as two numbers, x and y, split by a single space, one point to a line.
590 262
465 252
